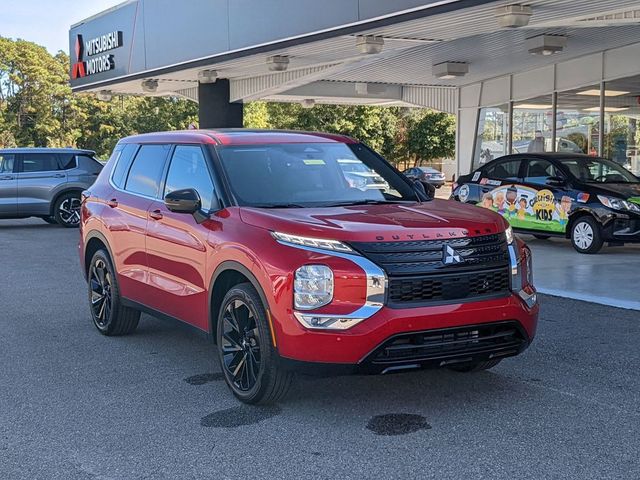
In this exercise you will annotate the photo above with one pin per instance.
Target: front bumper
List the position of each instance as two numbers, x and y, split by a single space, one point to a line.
354 349
622 228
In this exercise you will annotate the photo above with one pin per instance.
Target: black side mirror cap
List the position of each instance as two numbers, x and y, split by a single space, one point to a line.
556 181
186 200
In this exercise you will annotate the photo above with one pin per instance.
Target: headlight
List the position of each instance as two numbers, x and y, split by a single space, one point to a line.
618 204
463 193
509 234
312 287
312 242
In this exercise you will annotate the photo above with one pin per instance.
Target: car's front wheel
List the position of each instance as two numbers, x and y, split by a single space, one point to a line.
586 235
66 210
108 313
247 356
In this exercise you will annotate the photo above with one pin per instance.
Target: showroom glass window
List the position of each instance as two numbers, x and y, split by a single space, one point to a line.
621 142
533 125
492 134
578 120
188 169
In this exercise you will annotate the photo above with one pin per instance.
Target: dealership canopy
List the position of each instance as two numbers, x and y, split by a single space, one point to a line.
561 70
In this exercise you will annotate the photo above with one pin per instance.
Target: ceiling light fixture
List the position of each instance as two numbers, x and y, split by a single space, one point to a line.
450 70
533 106
513 16
207 76
546 44
369 44
278 63
606 109
607 93
149 85
104 95
308 103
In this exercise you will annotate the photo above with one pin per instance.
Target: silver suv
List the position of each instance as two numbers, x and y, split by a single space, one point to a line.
45 183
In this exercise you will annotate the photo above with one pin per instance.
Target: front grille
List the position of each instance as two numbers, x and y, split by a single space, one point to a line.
451 345
418 274
418 257
448 287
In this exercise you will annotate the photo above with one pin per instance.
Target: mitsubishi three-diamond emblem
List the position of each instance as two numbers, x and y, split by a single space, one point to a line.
450 256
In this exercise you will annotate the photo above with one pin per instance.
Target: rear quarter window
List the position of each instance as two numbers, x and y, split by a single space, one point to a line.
122 156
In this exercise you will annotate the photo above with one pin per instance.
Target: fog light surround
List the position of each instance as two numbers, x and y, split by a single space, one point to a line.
312 287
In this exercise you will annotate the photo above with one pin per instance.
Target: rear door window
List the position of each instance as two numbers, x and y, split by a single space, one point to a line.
39 162
146 170
503 170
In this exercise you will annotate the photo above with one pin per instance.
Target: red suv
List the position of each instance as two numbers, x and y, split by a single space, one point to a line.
259 239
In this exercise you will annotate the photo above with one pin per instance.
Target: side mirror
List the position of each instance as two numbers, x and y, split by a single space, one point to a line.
556 181
186 200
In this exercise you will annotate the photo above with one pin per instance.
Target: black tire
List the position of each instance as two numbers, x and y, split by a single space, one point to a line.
586 235
50 220
244 345
542 237
475 367
66 210
109 316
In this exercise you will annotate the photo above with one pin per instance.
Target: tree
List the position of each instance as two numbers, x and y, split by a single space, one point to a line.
432 137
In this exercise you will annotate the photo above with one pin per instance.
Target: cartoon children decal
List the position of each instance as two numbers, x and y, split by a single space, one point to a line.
522 208
563 208
512 196
487 200
498 202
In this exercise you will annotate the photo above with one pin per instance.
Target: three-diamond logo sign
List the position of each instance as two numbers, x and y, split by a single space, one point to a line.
450 256
96 49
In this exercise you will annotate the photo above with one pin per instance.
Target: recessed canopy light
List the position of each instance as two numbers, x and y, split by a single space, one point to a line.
104 95
607 93
450 70
207 76
369 44
150 85
308 103
533 106
513 16
278 63
606 109
546 44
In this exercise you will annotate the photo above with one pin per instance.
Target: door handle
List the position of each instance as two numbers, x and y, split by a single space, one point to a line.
6 177
113 203
59 175
156 215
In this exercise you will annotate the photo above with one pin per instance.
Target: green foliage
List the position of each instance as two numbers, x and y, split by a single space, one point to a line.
432 137
37 108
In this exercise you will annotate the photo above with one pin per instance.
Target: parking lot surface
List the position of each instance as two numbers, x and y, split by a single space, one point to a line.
77 405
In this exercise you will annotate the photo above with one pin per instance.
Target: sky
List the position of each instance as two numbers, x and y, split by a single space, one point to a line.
47 22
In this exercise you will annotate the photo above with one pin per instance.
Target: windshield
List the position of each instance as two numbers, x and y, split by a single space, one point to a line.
310 174
597 170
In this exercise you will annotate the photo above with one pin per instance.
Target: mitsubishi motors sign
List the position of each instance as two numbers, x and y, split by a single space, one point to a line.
92 56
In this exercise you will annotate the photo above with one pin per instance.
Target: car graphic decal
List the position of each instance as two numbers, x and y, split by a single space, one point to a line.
528 208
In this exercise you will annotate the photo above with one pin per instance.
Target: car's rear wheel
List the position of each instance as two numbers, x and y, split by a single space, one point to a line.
66 210
475 366
247 356
586 235
107 312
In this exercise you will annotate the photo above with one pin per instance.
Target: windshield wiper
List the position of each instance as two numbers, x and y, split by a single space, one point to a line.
363 202
277 205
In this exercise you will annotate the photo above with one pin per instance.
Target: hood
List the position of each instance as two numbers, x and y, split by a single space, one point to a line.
621 190
391 222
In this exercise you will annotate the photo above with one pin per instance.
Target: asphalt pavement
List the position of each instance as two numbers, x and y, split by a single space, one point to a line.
77 405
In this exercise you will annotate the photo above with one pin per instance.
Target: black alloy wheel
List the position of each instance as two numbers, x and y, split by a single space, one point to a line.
240 345
246 348
108 313
100 282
